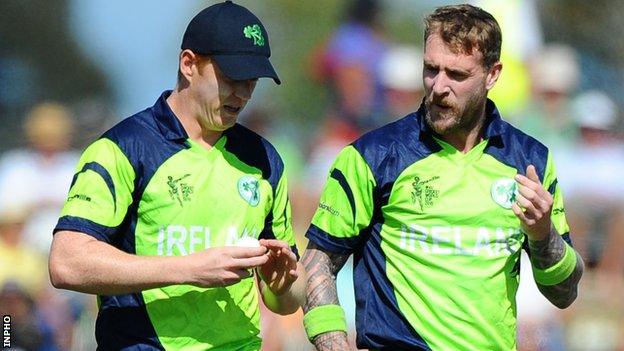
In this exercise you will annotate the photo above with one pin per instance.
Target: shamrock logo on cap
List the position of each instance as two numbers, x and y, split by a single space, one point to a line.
254 32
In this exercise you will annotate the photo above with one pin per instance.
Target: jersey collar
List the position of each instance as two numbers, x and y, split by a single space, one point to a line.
494 125
167 121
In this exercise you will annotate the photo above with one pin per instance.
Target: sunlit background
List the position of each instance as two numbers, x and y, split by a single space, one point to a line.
70 69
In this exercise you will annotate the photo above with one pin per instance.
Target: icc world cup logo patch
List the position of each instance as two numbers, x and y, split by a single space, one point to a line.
424 193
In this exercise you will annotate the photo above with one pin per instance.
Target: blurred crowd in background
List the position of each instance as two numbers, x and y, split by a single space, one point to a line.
562 82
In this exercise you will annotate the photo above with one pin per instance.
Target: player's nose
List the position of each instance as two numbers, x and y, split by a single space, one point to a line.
244 88
440 85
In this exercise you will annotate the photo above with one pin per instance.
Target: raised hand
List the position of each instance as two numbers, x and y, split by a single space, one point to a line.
533 205
280 270
224 266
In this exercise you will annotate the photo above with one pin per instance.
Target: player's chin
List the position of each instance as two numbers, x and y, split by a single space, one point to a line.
443 125
229 117
226 122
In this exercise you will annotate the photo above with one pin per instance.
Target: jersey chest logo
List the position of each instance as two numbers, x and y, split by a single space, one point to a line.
249 190
424 193
504 192
179 190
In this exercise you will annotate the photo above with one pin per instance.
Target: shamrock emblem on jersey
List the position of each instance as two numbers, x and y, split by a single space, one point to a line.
249 190
504 192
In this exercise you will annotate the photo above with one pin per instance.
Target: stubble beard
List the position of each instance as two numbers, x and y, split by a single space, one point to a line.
458 118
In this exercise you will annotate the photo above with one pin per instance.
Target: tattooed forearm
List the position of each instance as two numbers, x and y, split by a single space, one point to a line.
545 253
321 268
563 294
332 341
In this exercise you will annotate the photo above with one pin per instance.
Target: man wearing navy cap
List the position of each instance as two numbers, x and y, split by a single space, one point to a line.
165 209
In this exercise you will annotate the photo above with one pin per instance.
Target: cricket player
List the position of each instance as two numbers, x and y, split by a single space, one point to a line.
158 204
435 208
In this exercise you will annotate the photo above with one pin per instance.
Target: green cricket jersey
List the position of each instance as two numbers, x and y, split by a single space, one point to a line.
436 245
147 189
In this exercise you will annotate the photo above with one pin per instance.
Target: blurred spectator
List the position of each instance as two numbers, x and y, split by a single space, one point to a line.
554 79
28 330
33 186
25 271
19 263
37 177
594 183
401 77
348 63
594 189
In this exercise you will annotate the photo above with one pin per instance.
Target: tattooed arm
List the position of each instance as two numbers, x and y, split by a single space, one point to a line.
545 253
533 207
322 268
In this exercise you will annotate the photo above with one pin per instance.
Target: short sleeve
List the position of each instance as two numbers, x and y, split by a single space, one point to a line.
346 206
100 192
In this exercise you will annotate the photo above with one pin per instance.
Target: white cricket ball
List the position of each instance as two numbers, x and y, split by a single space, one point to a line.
247 241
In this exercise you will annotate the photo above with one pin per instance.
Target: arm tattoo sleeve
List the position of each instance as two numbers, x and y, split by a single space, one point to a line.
546 253
321 268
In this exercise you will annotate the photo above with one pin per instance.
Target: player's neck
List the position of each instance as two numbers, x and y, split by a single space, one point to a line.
181 105
465 139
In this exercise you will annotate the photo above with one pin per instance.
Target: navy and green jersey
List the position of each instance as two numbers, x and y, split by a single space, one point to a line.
436 244
147 189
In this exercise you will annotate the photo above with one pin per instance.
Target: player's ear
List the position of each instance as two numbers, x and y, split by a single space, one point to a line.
187 59
190 64
493 74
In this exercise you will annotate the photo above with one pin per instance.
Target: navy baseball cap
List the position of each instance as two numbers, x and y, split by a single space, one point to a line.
235 38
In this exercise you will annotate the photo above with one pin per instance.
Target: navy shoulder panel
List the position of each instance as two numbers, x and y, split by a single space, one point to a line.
392 148
142 142
255 151
518 150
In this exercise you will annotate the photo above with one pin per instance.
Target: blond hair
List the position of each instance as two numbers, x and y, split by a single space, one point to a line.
465 28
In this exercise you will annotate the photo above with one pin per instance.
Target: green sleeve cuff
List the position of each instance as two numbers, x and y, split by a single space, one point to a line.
323 319
558 272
